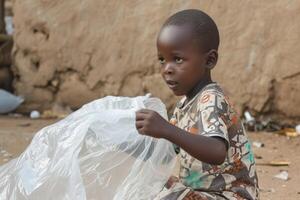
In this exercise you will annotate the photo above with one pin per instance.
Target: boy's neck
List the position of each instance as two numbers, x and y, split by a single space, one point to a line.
201 84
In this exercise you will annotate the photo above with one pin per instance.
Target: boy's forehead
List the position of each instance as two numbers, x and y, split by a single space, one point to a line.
176 36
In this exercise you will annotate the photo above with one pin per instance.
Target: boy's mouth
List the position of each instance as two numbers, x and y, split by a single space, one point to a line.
172 84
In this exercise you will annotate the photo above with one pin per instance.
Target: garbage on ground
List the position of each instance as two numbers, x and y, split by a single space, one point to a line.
9 25
35 114
9 102
290 132
253 124
268 124
276 163
258 144
297 128
283 175
249 121
94 152
57 111
248 117
280 163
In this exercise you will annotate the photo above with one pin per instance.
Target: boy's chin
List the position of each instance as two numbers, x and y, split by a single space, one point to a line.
178 93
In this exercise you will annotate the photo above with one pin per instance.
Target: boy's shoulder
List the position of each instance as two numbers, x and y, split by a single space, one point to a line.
206 94
211 95
212 89
214 96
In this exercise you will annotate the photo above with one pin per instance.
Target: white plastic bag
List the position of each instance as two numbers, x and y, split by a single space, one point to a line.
8 101
94 153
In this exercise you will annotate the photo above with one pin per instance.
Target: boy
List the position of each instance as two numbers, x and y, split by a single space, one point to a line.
216 160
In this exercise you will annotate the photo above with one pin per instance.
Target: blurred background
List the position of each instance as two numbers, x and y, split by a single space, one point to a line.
71 52
56 55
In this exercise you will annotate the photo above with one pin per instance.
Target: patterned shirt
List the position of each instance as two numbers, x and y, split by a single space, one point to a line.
210 114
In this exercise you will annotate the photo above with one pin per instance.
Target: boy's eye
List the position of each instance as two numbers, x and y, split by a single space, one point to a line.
161 60
178 60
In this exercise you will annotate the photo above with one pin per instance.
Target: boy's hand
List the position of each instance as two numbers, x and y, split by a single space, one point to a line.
149 122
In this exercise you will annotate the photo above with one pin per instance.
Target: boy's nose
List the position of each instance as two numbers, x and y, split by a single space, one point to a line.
168 69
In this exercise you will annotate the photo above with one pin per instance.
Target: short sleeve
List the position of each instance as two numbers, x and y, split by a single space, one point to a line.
213 115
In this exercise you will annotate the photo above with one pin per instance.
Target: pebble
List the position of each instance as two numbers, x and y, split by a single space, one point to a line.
267 190
35 114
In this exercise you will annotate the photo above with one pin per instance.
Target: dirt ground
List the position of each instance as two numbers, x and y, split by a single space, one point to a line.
17 132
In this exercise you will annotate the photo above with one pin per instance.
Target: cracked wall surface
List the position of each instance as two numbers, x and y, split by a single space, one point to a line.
74 51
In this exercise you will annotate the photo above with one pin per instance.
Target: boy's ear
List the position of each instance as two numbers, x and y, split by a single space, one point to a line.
211 58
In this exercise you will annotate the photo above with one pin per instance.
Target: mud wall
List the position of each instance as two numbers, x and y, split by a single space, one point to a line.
73 51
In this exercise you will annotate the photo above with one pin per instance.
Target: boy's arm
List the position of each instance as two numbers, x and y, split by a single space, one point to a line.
211 150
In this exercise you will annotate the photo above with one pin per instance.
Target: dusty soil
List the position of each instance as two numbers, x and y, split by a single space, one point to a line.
16 134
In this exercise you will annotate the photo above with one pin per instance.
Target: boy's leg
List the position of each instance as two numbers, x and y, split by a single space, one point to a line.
175 190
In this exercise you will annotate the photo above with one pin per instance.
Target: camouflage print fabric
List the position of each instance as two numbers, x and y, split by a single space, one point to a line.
210 114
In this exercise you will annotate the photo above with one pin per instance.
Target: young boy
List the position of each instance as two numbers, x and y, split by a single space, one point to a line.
216 160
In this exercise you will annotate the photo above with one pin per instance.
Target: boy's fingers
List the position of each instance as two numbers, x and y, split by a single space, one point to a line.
141 131
139 124
140 115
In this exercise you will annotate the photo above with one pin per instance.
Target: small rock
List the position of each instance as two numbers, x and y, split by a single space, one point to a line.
267 190
35 114
55 82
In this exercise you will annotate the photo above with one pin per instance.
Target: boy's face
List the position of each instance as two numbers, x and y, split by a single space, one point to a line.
182 62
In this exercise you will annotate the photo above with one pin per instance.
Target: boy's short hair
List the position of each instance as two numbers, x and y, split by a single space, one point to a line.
205 29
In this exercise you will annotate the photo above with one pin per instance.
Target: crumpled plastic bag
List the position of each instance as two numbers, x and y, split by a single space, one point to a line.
94 153
9 102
